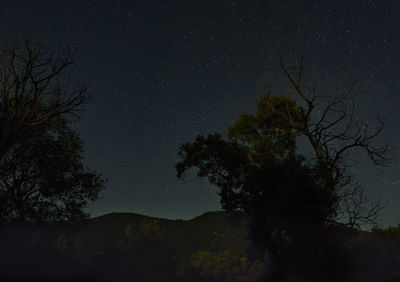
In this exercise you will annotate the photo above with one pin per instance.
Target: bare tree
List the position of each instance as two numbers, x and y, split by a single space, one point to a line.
32 91
34 94
328 123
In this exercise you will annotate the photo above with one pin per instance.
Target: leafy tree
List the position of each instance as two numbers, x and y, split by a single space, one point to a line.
258 171
42 177
326 122
282 196
289 197
46 180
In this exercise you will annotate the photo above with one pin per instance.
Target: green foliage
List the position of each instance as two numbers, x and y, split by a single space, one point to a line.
130 246
148 232
152 228
257 169
226 266
207 248
141 254
267 134
224 163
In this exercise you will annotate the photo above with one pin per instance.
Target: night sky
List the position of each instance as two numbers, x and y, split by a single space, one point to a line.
161 72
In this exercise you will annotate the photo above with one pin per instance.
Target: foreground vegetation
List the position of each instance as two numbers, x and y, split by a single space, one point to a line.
211 247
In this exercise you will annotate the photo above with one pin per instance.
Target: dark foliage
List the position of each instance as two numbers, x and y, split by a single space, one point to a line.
282 197
34 90
28 254
42 177
291 199
46 180
129 247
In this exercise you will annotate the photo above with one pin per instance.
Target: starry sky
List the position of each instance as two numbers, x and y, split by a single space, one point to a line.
161 71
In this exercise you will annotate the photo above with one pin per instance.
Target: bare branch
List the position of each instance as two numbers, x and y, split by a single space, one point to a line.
32 92
333 133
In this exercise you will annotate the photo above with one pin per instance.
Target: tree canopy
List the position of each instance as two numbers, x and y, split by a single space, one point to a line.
290 198
46 179
42 176
258 171
34 90
255 142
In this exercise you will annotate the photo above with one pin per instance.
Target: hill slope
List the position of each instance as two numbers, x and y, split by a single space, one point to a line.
212 231
126 247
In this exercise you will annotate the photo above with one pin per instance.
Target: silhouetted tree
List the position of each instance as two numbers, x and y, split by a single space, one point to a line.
281 195
328 123
289 197
46 180
42 177
33 90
